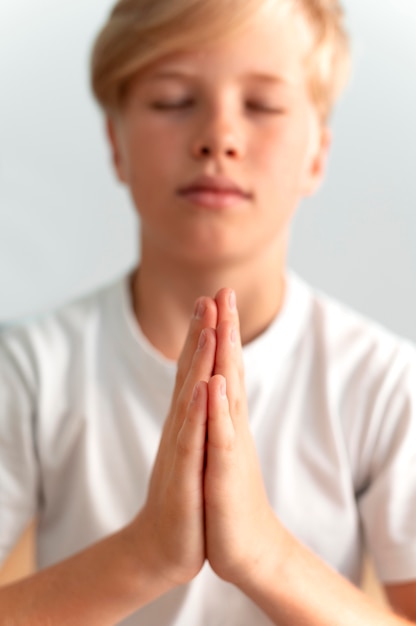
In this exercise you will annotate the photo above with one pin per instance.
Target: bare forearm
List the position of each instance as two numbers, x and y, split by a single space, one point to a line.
99 586
301 589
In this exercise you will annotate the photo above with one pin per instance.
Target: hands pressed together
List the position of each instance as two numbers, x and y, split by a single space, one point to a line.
206 497
207 500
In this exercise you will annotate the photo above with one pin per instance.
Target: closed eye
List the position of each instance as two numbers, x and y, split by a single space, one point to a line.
167 106
184 104
263 108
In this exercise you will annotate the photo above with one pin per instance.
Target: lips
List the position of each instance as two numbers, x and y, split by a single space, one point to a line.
214 192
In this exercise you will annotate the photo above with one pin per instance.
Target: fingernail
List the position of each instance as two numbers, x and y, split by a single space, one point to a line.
202 340
233 334
195 392
200 308
232 302
223 388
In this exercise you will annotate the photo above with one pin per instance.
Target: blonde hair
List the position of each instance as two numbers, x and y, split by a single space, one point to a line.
138 32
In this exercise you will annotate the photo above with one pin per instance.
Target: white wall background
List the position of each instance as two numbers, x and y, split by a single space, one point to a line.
67 227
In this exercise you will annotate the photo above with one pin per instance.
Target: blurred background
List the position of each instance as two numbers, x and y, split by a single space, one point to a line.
67 227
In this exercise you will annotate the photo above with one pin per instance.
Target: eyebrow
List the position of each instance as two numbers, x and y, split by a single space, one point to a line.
252 76
267 78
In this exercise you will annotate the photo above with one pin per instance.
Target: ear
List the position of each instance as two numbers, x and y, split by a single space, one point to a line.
116 152
316 164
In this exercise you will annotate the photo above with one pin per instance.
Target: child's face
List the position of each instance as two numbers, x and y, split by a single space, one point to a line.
240 109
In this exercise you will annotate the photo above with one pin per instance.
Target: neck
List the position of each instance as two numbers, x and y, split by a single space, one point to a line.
164 293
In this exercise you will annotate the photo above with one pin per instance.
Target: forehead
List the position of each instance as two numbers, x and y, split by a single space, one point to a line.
270 49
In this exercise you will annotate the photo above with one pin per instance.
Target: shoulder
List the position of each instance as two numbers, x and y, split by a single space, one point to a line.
347 337
363 379
54 339
363 373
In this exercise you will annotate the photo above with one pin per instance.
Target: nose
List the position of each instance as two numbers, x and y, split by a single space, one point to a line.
218 137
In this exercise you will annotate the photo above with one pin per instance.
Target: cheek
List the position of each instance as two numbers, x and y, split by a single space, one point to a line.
150 157
284 156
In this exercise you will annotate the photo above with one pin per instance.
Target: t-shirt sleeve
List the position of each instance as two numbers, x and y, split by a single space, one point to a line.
388 503
18 465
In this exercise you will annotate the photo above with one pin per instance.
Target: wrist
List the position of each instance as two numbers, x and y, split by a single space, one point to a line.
245 563
145 561
157 554
270 562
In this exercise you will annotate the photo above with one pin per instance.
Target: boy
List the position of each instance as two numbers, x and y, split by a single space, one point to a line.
299 443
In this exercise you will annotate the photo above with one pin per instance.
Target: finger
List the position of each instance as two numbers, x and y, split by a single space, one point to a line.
202 365
227 307
220 429
229 358
190 450
229 364
201 369
204 316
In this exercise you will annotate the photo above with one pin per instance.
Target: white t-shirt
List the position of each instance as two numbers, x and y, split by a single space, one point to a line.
332 399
